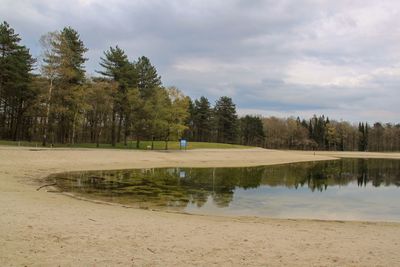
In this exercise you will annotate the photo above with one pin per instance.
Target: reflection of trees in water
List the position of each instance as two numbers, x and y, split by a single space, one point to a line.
319 176
362 177
179 186
378 172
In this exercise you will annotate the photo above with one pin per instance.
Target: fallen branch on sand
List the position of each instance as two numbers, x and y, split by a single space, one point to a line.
152 251
45 186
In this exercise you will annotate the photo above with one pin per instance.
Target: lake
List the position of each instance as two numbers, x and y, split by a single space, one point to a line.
346 189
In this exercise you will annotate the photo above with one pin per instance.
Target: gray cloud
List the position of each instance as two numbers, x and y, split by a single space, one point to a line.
287 58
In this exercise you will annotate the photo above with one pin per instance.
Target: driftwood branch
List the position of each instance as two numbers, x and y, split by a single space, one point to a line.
45 186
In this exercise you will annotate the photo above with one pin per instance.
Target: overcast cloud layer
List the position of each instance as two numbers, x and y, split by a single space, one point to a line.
286 58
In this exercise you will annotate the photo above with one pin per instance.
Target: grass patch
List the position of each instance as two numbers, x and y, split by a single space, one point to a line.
158 145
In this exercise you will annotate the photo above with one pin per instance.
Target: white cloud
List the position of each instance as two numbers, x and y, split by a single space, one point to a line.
313 72
277 57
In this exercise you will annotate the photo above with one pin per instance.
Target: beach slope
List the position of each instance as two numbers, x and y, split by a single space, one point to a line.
40 228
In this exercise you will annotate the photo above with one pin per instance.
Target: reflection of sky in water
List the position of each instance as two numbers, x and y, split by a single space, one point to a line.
349 202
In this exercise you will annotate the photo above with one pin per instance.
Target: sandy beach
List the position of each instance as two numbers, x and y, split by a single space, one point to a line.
41 228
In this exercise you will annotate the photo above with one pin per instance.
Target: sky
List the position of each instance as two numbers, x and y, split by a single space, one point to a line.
274 58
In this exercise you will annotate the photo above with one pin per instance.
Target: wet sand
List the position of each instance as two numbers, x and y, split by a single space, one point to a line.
42 228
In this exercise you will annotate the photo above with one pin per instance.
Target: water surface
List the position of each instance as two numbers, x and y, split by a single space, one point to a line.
347 189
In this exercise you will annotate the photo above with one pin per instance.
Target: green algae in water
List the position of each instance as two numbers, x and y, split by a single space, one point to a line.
347 189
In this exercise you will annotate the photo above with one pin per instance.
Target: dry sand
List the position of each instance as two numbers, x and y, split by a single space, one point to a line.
39 228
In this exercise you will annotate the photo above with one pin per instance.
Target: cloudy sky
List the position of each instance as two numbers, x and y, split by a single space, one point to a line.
285 58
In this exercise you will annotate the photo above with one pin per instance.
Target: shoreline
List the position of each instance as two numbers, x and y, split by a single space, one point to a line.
239 217
62 227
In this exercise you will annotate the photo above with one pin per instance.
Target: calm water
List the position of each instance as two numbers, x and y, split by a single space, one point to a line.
348 189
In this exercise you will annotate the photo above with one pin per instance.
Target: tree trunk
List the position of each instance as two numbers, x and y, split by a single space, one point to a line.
46 125
73 128
166 140
113 128
97 139
119 129
98 132
126 131
137 142
18 121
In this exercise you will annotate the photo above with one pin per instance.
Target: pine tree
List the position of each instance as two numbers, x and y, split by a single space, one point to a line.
117 67
366 137
226 120
49 71
202 119
16 94
69 55
148 78
363 136
189 133
67 58
251 131
8 47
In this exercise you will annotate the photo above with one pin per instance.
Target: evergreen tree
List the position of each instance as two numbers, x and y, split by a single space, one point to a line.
148 78
226 120
8 48
49 72
317 130
189 133
251 131
202 120
363 136
117 67
366 137
16 93
67 57
70 58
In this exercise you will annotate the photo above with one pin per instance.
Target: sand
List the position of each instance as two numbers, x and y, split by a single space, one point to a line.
40 228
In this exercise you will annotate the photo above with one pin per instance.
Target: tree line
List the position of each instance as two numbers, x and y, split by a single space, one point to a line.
54 101
221 123
321 133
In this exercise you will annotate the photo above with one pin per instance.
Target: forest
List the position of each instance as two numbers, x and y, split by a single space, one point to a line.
53 101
